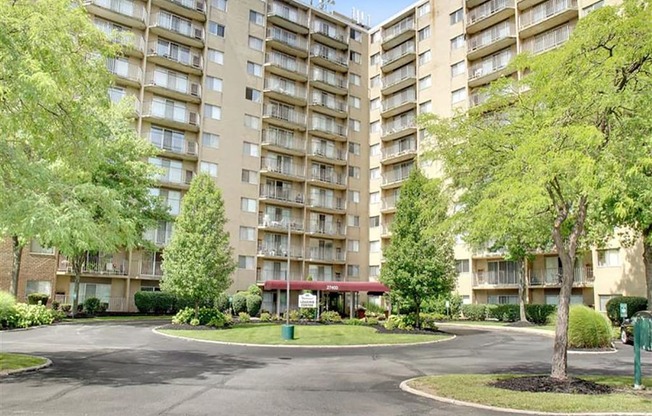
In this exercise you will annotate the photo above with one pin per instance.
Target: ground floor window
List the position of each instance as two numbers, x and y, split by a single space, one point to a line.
502 300
92 290
603 301
38 286
466 299
574 300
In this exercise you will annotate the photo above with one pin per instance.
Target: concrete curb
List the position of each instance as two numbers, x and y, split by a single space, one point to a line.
155 330
404 386
534 331
47 363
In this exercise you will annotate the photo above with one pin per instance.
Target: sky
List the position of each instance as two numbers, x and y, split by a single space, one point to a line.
379 10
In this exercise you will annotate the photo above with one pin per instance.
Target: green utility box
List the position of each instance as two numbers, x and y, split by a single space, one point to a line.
642 340
287 332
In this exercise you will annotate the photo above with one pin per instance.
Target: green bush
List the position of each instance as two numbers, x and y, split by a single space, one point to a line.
540 314
240 302
194 322
329 317
222 303
157 302
244 317
392 322
475 312
438 305
504 313
307 313
373 308
265 317
66 307
588 328
634 304
353 321
30 315
429 320
254 303
35 298
255 290
55 305
372 321
7 309
104 306
207 316
91 305
294 315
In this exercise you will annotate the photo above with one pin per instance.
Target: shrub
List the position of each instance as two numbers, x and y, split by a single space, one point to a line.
438 305
474 312
240 302
222 303
254 303
373 308
588 328
265 317
35 298
218 321
91 305
294 315
634 304
30 315
307 313
55 305
429 320
504 313
353 321
255 290
372 321
392 322
66 307
7 309
157 302
104 306
244 317
194 322
540 314
207 316
329 317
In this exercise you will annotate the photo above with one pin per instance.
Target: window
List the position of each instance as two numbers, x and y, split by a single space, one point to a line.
425 107
594 6
216 56
354 196
253 95
353 246
603 301
457 42
354 124
374 173
375 37
247 233
252 122
374 149
353 270
374 246
214 84
255 43
425 82
36 248
210 140
502 300
220 4
38 286
374 104
374 198
462 266
355 101
458 95
356 35
424 33
246 262
216 29
423 10
256 18
172 199
374 271
457 16
254 69
374 221
354 172
374 127
458 68
375 81
250 149
355 79
353 220
208 167
354 148
355 57
248 204
212 111
375 59
250 176
425 57
609 258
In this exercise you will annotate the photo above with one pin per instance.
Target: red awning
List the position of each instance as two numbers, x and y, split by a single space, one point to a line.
327 286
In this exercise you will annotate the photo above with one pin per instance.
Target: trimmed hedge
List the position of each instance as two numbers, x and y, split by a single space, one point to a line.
540 314
92 305
239 302
588 328
634 304
254 302
207 316
536 314
222 303
35 298
158 302
475 312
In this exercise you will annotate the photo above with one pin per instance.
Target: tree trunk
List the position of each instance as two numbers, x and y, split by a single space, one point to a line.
77 263
418 317
17 248
522 292
197 309
560 351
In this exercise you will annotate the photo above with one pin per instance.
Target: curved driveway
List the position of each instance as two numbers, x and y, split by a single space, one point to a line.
126 369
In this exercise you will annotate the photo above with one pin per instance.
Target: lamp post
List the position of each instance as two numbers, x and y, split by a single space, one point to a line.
287 331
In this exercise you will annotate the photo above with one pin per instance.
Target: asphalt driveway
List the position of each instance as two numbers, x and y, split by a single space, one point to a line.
126 369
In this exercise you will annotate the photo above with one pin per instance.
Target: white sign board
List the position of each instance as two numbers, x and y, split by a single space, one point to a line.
307 301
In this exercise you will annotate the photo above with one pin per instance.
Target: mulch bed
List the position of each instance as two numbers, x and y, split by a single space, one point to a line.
545 384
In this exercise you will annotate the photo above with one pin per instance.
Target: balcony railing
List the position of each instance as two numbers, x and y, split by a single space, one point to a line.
288 13
403 73
487 9
178 25
328 126
265 275
329 54
395 126
330 31
329 78
169 112
390 202
398 149
553 276
328 101
545 10
285 87
321 254
496 278
398 52
547 40
182 55
198 5
288 169
124 37
123 69
280 194
328 152
490 65
149 268
176 176
399 99
158 236
174 83
285 114
317 174
182 146
284 139
288 38
491 35
318 227
399 28
280 250
397 175
280 223
104 264
286 62
327 202
132 9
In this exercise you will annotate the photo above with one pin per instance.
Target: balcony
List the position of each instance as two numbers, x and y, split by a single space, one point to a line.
398 57
546 16
160 236
171 115
329 204
151 269
490 69
386 231
125 12
396 176
286 66
328 179
183 149
272 250
329 58
477 98
329 34
268 222
318 254
491 40
494 279
97 264
329 81
328 154
398 33
399 127
177 57
526 4
321 228
176 178
399 103
389 204
116 97
288 17
328 128
488 14
265 275
284 117
132 43
287 42
274 168
583 276
177 29
548 40
399 152
284 141
329 104
161 83
400 79
127 72
283 196
286 91
191 9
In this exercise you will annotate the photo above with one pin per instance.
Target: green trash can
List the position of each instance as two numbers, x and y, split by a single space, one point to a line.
287 332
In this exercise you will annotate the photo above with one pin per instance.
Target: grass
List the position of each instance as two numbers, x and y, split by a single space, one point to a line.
475 388
18 361
120 318
270 334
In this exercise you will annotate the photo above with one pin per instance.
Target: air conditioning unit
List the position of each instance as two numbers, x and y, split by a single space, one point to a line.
196 61
200 6
193 118
194 89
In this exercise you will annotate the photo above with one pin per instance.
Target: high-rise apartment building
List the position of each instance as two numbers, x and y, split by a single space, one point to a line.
307 121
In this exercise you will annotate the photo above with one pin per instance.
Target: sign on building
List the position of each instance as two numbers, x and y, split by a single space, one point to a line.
307 301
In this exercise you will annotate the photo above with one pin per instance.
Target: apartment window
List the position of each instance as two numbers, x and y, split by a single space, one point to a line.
208 167
425 107
354 148
354 124
254 69
424 33
252 122
374 271
462 266
246 262
603 299
353 246
216 29
249 176
38 286
425 57
250 149
458 68
355 79
247 233
374 221
592 7
214 84
353 220
425 82
374 104
609 258
458 95
375 81
256 18
354 196
210 140
457 42
212 111
502 300
255 43
248 204
36 248
423 10
355 57
353 270
219 4
355 101
375 59
375 37
374 127
253 95
457 16
356 35
374 198
374 246
354 172
216 56
374 173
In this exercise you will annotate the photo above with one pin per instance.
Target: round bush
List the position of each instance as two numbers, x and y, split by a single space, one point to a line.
265 317
254 303
328 317
474 312
634 304
38 298
588 328
92 305
222 303
244 317
7 308
255 290
240 302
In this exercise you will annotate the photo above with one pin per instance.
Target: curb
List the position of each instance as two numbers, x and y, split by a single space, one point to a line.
404 386
534 331
155 330
47 363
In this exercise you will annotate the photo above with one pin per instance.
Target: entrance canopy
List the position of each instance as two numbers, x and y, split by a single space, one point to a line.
327 286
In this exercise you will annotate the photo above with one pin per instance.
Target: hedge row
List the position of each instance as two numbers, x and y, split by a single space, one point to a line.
537 314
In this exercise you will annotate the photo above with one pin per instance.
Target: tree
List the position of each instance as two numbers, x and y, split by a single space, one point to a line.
547 147
419 259
198 262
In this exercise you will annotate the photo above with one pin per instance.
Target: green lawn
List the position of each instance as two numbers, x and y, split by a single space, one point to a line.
17 361
474 388
270 334
121 318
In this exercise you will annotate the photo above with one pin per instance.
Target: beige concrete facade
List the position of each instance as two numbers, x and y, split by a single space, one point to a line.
307 121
